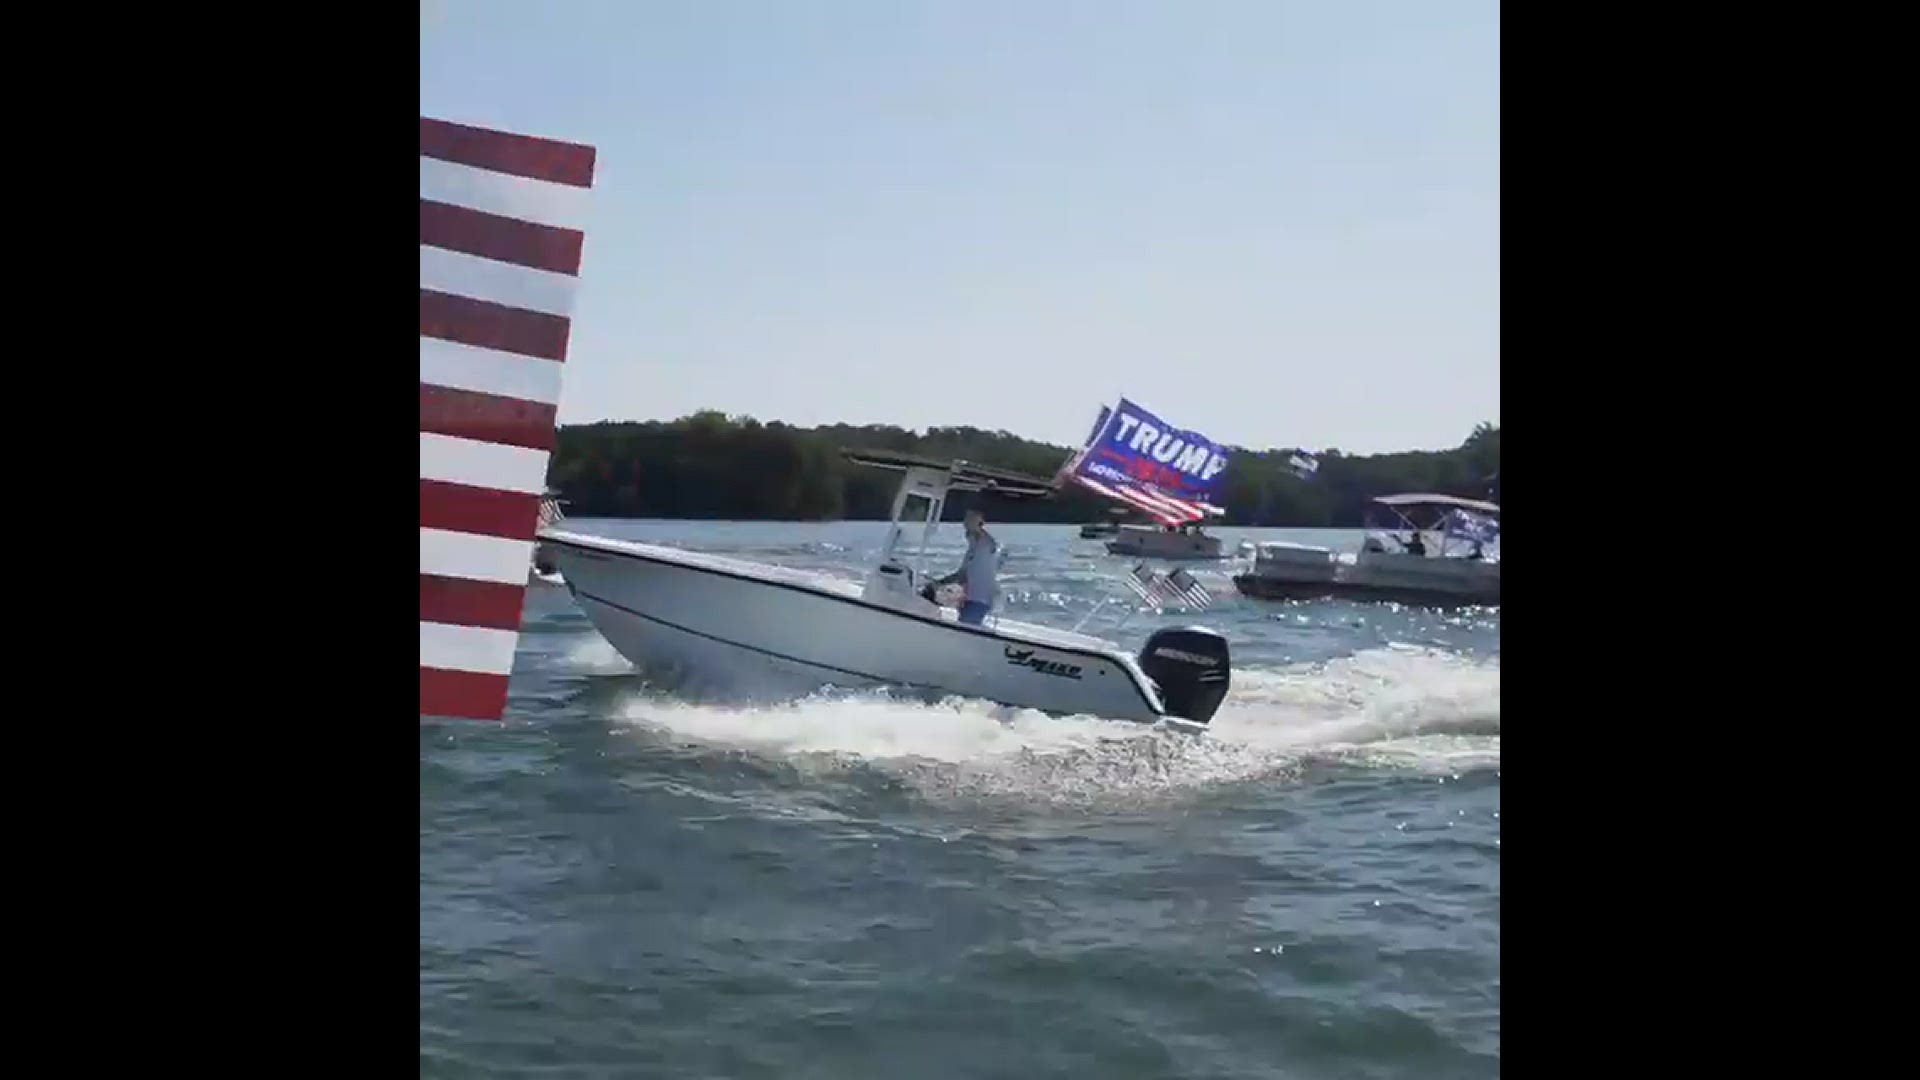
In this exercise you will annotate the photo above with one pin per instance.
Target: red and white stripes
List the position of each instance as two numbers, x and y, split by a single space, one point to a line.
1164 509
501 228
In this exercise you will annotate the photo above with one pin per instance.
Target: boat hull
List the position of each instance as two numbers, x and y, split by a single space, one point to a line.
1267 587
1173 547
737 626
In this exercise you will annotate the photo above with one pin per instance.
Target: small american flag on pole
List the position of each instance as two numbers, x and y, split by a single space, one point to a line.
1189 590
501 233
1178 588
1144 582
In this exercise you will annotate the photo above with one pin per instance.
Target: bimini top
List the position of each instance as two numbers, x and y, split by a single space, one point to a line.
1439 500
965 475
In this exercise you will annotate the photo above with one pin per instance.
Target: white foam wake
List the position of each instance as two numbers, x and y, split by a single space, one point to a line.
1394 707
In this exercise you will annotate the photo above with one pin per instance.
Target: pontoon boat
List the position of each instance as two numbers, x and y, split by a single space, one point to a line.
1166 542
1448 558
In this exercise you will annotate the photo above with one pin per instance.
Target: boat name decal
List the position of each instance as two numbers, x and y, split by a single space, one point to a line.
1025 658
1182 654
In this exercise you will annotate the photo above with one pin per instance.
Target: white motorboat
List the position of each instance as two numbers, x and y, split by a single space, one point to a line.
755 624
1187 541
1448 558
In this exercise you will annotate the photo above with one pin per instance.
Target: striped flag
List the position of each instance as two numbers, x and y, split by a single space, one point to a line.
1178 588
1134 457
1150 501
1304 465
1189 590
501 229
1143 581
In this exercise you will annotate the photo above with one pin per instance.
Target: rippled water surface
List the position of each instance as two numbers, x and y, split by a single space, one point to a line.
617 882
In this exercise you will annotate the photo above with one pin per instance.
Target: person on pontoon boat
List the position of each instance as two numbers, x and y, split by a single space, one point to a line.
976 571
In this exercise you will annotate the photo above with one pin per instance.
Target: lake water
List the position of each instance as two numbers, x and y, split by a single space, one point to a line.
617 882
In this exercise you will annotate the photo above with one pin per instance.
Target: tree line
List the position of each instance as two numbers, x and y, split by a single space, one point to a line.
716 467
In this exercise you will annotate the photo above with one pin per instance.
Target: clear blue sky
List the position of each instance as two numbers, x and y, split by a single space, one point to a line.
1275 221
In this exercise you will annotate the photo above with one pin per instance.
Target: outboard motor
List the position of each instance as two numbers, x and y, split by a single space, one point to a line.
1191 667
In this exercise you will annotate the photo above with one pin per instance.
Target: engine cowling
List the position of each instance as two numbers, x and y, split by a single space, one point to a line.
1192 666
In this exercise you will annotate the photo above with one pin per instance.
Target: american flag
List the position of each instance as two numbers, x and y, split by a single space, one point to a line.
1150 500
1178 587
1184 586
550 512
1303 464
1146 583
500 237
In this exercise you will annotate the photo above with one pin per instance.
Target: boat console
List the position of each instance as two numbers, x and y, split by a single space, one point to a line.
893 584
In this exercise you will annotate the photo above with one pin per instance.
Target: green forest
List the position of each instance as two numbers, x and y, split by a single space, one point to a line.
716 467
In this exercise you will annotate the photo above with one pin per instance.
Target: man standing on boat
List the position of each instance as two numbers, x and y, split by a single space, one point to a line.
976 571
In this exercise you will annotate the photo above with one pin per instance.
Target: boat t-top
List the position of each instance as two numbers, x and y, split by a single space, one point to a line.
769 625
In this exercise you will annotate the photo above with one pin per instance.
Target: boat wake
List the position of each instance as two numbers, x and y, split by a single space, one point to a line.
1398 708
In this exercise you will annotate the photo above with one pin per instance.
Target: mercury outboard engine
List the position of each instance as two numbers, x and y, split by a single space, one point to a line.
1190 665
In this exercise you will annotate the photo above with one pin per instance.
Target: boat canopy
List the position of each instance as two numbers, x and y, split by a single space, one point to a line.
1452 501
1468 521
962 475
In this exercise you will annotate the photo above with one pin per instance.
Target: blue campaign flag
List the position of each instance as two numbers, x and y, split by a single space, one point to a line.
1466 525
1136 449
